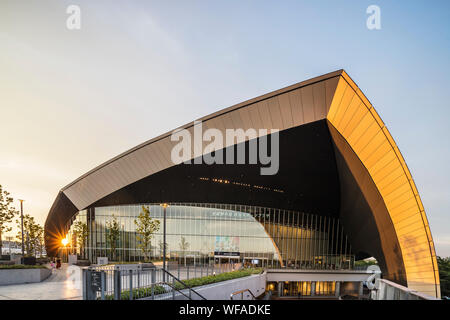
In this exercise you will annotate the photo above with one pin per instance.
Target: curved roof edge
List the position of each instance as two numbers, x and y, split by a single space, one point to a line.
213 115
333 96
354 117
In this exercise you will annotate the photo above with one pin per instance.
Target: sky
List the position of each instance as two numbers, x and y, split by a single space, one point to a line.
72 99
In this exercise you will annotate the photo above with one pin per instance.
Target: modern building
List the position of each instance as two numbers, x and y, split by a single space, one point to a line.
343 192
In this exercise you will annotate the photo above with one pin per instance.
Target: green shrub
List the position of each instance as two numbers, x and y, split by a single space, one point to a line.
21 266
363 263
141 293
196 282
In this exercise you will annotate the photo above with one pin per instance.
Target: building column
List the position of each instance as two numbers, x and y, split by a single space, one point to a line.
280 288
313 288
337 289
361 290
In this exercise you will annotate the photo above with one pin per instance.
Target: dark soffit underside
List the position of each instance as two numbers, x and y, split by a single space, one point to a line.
307 176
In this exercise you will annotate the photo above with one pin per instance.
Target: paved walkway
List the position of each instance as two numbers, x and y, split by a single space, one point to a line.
63 284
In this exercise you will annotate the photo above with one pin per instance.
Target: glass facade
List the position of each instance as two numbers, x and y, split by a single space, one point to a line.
220 233
302 288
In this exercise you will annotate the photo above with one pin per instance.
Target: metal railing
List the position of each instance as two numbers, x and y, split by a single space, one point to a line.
182 288
131 282
241 292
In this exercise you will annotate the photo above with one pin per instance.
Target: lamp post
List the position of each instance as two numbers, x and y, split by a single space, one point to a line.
65 242
164 205
21 223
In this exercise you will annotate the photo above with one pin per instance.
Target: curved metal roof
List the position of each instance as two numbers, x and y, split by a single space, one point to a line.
334 97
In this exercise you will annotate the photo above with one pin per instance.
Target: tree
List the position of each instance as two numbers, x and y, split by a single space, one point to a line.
444 275
40 242
184 245
145 228
81 232
7 213
112 235
33 234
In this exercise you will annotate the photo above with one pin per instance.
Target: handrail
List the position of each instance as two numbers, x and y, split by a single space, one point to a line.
242 294
184 284
173 288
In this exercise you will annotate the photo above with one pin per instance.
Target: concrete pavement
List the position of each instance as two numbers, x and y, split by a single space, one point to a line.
63 284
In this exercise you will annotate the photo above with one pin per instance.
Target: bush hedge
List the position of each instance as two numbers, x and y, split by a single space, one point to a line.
196 282
21 266
192 283
141 293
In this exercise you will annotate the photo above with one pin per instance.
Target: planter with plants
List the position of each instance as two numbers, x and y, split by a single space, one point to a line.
192 283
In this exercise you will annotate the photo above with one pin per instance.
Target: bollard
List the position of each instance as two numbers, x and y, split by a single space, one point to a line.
88 284
117 284
138 278
153 279
337 289
103 284
84 277
131 284
90 294
173 289
361 290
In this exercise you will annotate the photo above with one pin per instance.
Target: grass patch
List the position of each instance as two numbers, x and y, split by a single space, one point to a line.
21 266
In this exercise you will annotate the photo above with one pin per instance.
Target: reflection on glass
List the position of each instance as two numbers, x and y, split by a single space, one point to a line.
212 233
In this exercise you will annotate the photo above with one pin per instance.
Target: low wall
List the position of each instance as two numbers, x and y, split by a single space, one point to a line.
222 290
388 290
19 276
278 275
